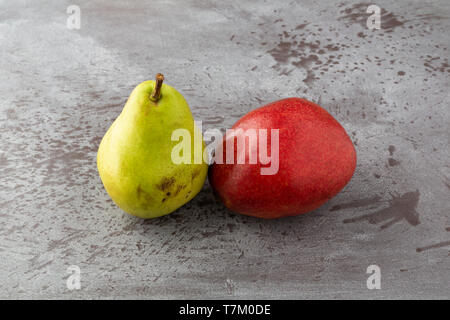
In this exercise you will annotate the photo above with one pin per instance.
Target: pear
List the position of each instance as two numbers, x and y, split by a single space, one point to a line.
312 158
135 160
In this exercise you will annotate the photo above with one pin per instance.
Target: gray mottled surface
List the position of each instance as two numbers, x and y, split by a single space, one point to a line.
60 90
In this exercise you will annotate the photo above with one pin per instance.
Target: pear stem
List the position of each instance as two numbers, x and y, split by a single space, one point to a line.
156 94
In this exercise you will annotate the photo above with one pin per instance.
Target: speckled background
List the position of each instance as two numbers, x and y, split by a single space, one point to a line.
60 90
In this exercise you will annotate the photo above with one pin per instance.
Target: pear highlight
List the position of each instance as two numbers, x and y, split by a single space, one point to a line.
134 158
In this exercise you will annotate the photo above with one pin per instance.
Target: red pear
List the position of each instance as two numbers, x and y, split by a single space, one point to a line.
316 159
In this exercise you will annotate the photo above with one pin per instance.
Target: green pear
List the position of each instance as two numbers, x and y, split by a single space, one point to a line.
135 157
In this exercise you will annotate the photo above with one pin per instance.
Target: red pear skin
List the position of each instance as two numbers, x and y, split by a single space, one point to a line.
316 160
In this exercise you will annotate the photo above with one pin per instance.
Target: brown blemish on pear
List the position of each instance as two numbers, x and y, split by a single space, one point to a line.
166 183
195 174
144 196
178 189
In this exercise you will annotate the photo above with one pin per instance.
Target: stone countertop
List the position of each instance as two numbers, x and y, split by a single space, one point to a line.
61 88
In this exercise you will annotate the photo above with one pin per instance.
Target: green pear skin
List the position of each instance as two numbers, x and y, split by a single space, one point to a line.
134 157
